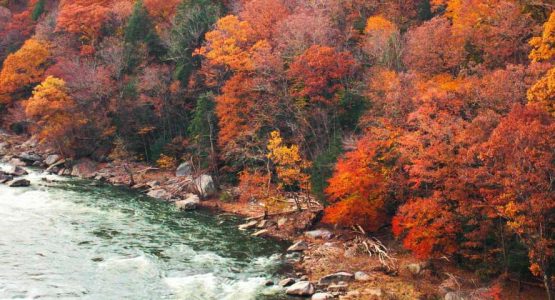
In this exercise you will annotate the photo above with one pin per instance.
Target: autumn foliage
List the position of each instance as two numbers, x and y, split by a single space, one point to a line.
431 121
23 68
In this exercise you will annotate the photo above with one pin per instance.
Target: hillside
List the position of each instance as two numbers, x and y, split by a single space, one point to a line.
428 124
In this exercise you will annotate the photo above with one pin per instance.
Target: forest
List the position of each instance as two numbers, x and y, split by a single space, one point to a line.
431 120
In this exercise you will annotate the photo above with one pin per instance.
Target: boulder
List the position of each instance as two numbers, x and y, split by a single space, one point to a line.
5 177
336 277
322 296
298 246
204 185
17 162
14 170
159 194
19 182
260 232
362 276
301 288
286 282
29 157
319 234
84 168
52 159
269 283
56 167
185 169
190 203
248 225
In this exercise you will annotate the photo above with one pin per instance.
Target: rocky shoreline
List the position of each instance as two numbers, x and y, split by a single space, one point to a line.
329 264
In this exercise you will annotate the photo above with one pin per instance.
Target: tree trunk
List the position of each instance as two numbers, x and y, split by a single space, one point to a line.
548 285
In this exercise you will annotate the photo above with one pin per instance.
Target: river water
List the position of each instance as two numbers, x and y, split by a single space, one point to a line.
69 239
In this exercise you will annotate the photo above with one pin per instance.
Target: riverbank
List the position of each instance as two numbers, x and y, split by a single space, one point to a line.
343 264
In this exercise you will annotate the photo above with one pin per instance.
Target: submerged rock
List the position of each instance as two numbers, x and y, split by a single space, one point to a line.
5 177
286 282
19 182
16 171
301 288
190 203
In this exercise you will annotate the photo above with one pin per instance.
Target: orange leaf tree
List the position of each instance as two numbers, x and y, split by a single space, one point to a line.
319 73
362 185
23 68
520 184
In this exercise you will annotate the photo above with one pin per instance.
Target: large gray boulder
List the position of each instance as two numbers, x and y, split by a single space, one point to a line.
185 169
204 185
84 168
190 203
301 288
30 157
19 182
52 159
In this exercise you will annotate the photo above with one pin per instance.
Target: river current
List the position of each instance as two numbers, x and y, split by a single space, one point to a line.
71 239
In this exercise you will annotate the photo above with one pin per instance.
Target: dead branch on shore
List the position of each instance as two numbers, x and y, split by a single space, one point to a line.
375 248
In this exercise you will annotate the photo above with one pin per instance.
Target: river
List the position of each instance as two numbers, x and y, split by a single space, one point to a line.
71 239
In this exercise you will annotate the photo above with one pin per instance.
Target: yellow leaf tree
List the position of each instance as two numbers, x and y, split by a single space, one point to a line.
23 68
290 166
543 91
52 108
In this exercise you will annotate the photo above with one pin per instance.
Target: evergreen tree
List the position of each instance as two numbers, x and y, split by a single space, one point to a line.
140 33
202 128
38 10
192 20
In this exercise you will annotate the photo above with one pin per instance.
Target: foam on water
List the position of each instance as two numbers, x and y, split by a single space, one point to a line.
63 238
